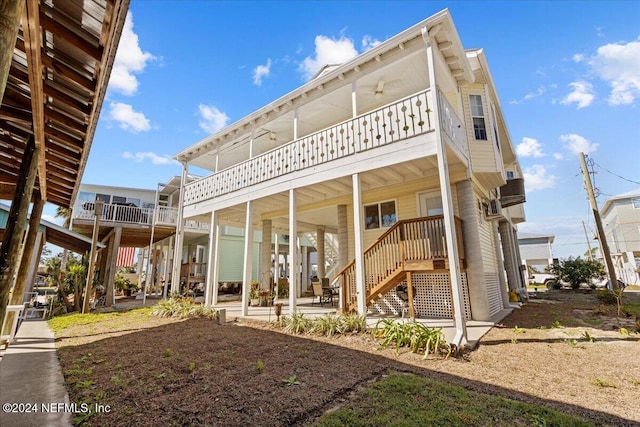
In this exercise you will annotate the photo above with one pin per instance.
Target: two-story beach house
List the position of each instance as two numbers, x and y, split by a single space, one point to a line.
621 221
402 153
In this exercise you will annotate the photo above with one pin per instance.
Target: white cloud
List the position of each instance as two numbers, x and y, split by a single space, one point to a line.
582 95
536 178
130 59
619 65
578 144
128 119
558 156
260 72
148 155
578 57
212 119
529 147
369 42
530 95
328 52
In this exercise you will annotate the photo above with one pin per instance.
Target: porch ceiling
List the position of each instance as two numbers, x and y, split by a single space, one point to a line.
316 203
398 80
132 236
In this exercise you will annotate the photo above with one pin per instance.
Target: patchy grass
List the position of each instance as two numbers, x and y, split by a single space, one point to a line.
116 319
411 400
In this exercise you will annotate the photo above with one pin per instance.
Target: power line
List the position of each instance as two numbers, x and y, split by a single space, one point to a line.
614 174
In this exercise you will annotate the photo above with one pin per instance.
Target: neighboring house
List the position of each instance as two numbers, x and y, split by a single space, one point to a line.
402 153
144 217
48 232
535 250
621 222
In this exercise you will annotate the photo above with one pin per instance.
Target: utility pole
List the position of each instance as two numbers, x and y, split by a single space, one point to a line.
604 247
586 236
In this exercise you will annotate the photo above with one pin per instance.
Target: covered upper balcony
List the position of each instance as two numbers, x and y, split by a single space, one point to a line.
381 98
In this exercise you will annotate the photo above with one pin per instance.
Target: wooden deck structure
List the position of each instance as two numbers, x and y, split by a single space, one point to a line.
56 79
411 246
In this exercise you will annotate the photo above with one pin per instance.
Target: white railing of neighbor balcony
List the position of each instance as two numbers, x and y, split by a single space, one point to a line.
409 117
127 214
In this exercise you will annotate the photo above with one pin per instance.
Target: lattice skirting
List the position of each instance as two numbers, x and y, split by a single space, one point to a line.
432 298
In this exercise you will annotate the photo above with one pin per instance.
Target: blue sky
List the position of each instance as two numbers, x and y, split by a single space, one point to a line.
567 73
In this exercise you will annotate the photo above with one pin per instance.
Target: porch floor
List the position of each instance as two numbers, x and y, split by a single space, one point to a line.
475 329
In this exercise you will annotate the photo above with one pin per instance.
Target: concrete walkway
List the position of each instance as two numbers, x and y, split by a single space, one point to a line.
475 329
30 374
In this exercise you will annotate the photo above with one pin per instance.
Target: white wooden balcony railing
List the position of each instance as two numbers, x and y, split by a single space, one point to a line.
127 214
407 118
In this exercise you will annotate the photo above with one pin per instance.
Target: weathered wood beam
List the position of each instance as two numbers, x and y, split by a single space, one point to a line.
11 242
72 102
72 155
63 70
56 135
70 122
27 251
72 36
10 14
115 16
15 114
32 38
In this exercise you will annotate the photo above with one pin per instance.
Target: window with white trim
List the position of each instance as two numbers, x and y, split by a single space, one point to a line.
477 116
380 215
511 174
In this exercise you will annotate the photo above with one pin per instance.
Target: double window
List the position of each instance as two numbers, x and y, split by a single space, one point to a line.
380 215
477 115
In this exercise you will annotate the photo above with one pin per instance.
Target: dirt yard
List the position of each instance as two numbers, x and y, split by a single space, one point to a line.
563 350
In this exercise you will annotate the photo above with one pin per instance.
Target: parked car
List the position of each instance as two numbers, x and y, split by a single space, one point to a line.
43 297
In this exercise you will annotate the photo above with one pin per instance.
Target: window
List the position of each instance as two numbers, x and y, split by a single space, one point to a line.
106 198
635 203
477 115
511 174
135 202
380 215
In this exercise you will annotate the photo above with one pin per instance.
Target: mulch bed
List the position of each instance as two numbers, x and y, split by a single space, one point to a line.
198 373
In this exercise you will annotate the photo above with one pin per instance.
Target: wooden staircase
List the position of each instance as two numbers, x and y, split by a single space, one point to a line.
413 245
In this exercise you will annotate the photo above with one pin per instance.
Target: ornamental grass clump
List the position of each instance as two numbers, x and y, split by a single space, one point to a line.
182 308
416 336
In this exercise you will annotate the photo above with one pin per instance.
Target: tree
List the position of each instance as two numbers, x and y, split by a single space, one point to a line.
577 271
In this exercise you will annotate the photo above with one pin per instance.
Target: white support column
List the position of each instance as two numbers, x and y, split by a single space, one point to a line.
504 293
295 124
179 240
167 267
211 292
460 339
358 232
293 253
305 269
343 237
276 261
265 254
248 259
354 100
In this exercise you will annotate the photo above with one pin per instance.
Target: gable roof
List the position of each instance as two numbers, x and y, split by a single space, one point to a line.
628 195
